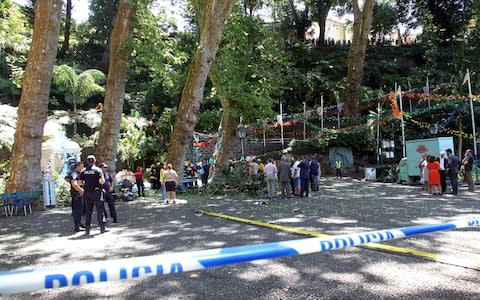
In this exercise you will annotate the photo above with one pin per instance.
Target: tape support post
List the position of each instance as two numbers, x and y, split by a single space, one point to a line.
28 280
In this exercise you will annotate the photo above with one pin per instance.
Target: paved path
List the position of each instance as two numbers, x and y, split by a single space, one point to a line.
342 206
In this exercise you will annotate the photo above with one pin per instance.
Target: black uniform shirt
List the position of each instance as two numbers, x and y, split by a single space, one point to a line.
108 181
91 175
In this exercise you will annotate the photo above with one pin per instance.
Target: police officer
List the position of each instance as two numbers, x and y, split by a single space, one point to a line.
107 192
92 190
77 196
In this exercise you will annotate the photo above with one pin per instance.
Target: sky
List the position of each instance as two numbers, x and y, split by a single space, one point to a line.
80 9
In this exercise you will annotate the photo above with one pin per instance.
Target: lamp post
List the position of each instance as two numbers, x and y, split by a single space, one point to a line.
434 129
242 133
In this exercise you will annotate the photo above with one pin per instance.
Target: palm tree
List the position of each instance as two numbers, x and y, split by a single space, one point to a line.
77 87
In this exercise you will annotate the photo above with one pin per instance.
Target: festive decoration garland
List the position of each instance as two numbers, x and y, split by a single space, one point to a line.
448 131
393 103
451 103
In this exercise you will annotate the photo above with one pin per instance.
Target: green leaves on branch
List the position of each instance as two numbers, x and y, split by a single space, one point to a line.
250 66
133 141
77 88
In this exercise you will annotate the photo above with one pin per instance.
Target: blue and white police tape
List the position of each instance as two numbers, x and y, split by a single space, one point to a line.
19 281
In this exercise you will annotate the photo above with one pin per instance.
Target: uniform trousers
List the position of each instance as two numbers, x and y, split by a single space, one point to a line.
108 197
93 198
77 206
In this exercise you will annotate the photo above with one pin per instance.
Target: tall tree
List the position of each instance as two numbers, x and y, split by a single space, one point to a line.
296 21
384 19
33 108
248 76
320 9
249 6
115 90
213 17
362 22
103 19
450 16
66 31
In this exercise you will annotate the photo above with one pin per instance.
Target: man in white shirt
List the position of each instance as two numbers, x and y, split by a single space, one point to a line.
253 168
271 178
296 177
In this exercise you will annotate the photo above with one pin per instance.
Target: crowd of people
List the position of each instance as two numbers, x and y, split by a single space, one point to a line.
93 185
434 172
295 176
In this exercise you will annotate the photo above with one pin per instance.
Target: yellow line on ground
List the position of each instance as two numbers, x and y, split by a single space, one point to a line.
374 246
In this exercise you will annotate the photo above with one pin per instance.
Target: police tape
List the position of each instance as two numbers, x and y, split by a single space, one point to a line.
437 257
28 280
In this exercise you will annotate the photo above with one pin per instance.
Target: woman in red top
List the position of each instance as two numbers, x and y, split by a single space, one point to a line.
434 175
139 179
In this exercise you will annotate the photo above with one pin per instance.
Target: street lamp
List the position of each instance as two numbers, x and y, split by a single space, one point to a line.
434 129
242 133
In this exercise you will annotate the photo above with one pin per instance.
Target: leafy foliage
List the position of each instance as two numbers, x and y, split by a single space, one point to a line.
133 142
14 44
158 61
250 66
237 181
260 64
449 16
384 19
78 88
360 140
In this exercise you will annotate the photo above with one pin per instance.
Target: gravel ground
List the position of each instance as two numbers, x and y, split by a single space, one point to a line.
342 206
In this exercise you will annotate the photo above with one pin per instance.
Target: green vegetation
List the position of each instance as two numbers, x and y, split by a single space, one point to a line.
258 66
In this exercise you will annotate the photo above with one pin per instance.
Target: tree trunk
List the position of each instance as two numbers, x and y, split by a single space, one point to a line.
33 107
106 149
320 11
68 26
227 129
75 116
301 23
322 22
107 50
362 22
459 123
212 23
228 138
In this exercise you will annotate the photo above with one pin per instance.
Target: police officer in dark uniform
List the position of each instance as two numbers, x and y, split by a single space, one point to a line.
77 195
94 180
107 192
